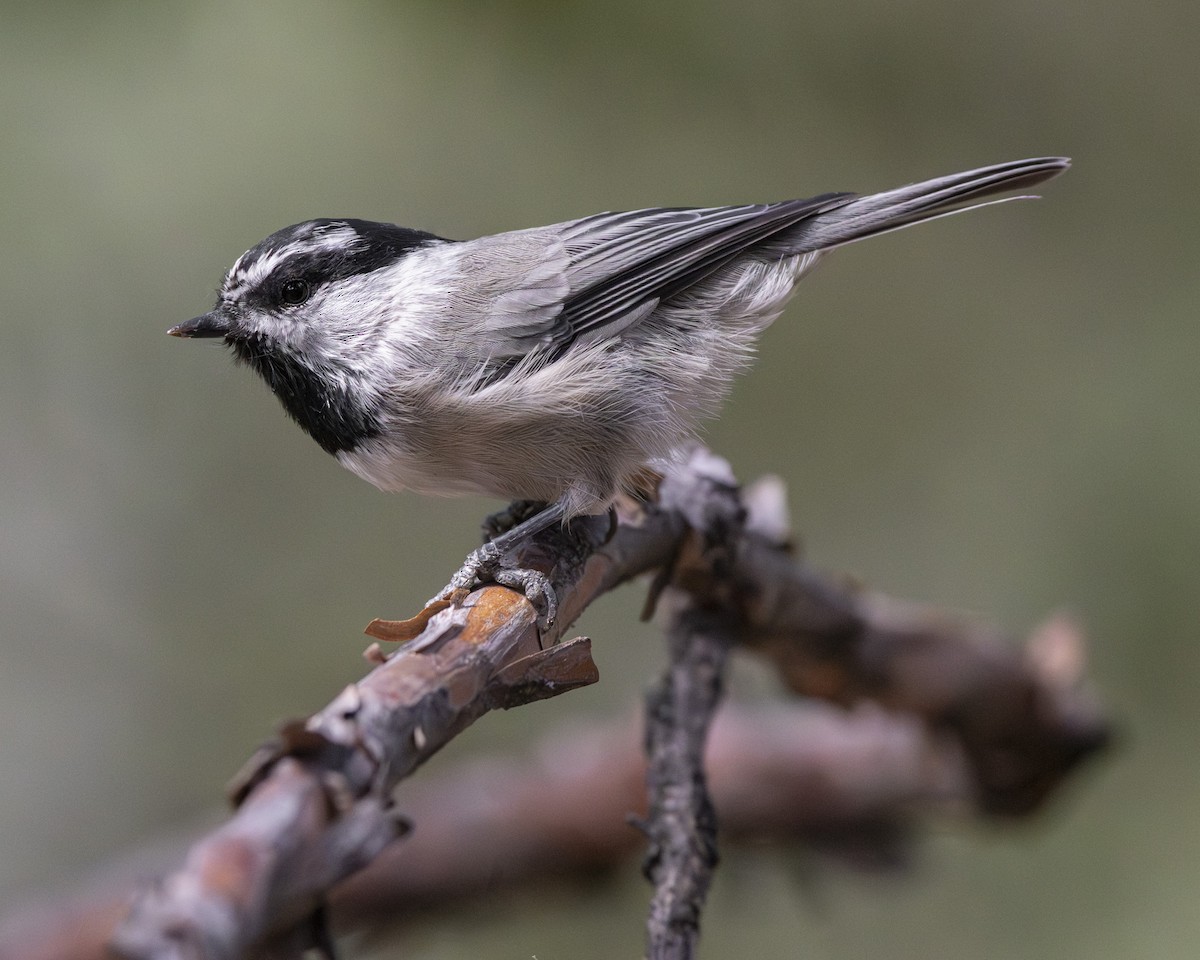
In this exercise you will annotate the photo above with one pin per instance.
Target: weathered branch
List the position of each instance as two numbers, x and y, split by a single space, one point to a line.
851 783
315 807
682 821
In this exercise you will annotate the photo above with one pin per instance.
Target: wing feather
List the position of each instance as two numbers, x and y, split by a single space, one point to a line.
656 254
598 276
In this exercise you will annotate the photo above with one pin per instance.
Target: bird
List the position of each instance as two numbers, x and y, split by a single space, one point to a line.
556 364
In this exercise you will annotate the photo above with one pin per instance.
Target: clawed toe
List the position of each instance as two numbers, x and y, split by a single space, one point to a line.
487 565
536 587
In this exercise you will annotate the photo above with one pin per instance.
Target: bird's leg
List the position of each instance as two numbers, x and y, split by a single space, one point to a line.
511 516
488 564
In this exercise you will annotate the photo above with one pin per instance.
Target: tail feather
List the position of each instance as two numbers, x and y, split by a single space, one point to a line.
879 213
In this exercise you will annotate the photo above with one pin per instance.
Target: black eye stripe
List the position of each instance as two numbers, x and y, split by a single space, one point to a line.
368 247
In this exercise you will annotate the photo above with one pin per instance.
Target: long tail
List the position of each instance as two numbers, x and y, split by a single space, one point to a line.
895 209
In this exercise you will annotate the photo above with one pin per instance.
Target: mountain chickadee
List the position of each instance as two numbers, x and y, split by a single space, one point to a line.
551 364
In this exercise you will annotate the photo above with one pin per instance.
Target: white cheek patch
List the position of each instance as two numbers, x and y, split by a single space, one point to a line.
280 330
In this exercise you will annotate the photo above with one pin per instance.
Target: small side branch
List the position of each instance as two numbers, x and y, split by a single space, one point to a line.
682 822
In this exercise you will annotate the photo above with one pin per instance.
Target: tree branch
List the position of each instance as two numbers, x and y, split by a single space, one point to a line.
315 807
682 821
849 783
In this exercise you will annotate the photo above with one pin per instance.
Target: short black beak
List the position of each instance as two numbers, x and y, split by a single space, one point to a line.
212 324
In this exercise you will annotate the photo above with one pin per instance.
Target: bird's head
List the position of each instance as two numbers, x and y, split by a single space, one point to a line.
305 309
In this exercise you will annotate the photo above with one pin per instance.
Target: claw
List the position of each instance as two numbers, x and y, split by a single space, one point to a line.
537 589
486 564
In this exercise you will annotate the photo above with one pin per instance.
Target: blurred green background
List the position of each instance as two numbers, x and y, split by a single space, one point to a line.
995 412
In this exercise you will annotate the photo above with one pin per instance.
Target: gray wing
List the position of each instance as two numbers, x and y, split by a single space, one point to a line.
597 276
606 272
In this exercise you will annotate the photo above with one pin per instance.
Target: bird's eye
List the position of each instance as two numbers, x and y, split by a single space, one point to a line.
294 292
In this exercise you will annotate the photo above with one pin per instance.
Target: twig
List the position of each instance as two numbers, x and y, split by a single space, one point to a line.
682 822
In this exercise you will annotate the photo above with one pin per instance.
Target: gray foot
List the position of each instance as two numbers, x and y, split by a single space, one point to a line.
486 565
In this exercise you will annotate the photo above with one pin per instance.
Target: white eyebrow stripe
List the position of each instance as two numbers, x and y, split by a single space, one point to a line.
245 275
